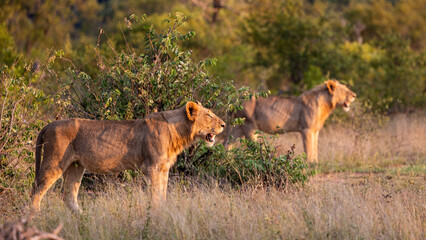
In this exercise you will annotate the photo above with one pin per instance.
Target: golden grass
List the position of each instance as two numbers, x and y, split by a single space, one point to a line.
398 144
379 195
369 207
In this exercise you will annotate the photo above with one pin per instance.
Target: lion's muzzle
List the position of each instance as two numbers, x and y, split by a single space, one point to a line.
210 136
347 104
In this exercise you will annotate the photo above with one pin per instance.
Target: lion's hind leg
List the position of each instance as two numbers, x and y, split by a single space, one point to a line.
72 179
43 182
56 158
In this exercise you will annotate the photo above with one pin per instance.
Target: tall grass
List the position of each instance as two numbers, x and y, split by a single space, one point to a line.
356 204
322 210
397 144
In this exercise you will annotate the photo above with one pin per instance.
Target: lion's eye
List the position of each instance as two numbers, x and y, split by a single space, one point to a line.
209 115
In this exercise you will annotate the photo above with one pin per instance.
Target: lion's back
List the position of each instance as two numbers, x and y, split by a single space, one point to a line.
274 114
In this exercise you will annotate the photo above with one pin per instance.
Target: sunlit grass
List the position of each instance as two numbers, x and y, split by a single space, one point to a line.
398 143
365 207
369 189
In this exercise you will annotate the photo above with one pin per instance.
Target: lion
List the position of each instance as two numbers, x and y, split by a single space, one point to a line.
150 144
305 114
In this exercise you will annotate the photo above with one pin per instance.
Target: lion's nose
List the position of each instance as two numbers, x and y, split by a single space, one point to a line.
223 125
354 95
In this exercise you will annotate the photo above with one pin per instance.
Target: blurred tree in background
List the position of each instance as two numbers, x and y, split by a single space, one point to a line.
380 18
367 45
286 46
288 41
36 25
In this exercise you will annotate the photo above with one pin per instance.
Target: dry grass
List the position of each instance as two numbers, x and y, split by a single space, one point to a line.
379 195
368 207
397 145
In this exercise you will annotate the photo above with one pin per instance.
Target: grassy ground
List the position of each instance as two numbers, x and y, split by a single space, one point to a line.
370 185
337 207
397 146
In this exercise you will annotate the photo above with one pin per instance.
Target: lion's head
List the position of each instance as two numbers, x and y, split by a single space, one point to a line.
340 94
206 124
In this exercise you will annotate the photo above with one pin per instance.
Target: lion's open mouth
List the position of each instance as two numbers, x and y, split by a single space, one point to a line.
346 106
210 137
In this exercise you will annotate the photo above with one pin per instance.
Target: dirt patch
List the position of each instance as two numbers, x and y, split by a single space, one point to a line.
395 182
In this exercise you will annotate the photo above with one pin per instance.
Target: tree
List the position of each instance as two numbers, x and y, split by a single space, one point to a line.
287 40
382 17
36 25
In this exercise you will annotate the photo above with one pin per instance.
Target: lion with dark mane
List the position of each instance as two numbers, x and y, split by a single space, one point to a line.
305 114
150 144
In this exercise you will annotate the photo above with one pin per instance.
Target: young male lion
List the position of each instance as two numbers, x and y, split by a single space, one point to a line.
305 114
150 144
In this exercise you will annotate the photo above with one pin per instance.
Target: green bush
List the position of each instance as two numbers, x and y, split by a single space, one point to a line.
254 163
21 106
163 77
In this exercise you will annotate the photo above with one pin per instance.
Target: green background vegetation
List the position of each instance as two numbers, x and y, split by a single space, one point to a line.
377 47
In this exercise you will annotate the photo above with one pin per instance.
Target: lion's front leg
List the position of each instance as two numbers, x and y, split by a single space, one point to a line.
159 177
315 148
308 137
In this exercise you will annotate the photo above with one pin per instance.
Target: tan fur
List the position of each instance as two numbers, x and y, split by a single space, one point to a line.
305 114
150 144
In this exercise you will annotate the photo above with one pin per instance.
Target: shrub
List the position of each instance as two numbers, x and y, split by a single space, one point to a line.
255 163
21 108
163 77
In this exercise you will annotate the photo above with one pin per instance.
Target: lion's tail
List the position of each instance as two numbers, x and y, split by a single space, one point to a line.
39 145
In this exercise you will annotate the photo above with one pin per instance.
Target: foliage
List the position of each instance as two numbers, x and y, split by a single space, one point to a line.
163 77
254 163
298 39
380 18
389 75
383 67
37 25
22 106
8 52
282 46
400 74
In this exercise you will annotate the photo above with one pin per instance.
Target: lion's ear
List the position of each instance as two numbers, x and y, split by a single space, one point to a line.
192 110
331 86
